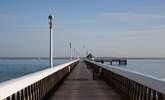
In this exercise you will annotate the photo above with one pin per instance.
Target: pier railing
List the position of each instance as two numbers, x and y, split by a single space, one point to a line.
131 85
37 85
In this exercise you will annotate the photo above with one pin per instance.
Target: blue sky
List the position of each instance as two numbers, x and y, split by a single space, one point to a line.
122 28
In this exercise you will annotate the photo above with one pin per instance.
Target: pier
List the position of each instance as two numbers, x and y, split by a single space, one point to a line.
84 80
79 85
120 61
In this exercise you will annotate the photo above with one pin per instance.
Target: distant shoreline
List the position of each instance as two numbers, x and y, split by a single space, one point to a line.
146 58
32 58
129 58
134 58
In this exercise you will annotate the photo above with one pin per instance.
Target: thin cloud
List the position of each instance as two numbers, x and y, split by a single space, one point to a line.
122 16
150 30
151 9
145 34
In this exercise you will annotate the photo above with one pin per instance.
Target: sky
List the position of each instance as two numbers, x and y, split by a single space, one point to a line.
111 28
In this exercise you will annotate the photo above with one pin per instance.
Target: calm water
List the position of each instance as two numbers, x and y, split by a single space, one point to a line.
151 67
13 68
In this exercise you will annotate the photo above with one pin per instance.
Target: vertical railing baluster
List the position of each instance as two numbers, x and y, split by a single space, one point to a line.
154 95
23 94
19 95
160 97
38 91
35 90
129 90
145 92
137 93
133 94
14 97
26 94
9 98
30 93
149 94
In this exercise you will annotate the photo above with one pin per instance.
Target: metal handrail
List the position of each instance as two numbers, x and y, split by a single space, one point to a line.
10 87
127 77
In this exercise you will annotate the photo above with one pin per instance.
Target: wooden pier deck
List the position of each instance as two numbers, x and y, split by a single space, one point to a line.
79 85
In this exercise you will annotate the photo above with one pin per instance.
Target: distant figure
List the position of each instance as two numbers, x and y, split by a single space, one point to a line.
102 61
90 57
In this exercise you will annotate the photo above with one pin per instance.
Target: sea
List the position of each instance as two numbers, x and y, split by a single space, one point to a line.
153 67
14 68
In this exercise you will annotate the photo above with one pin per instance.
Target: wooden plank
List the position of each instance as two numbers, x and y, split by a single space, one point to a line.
79 85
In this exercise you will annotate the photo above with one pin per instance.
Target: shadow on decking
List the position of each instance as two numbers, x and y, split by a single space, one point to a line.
79 85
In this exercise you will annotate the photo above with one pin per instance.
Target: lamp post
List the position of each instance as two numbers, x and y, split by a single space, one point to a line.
74 50
70 45
84 51
50 20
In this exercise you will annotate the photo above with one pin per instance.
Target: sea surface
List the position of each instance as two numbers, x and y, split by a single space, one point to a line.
13 68
153 67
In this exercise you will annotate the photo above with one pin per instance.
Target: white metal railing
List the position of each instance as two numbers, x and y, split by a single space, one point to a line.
148 81
13 86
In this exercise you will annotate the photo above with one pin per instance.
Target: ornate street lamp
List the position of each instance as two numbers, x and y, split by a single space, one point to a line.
50 20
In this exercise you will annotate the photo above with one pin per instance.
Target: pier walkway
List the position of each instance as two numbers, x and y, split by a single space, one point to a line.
59 83
79 85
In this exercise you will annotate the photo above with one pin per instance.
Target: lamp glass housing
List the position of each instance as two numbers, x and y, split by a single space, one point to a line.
50 18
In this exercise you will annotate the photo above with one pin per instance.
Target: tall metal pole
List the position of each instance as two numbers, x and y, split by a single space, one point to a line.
50 18
70 45
74 53
84 51
87 52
